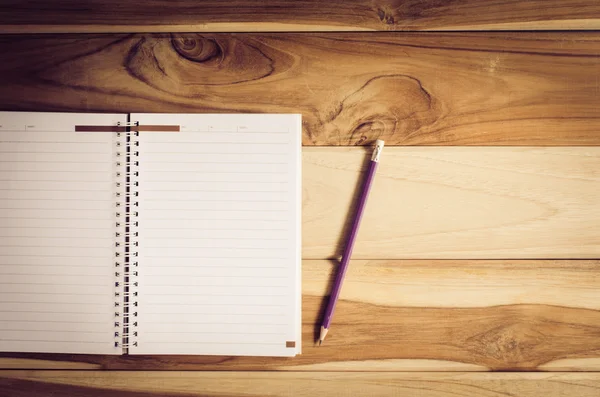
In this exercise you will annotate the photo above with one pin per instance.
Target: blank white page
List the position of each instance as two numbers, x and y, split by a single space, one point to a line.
219 235
56 234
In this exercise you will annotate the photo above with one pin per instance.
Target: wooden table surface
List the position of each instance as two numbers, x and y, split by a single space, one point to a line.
477 268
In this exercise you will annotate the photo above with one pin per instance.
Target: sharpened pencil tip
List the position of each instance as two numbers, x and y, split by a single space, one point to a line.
322 335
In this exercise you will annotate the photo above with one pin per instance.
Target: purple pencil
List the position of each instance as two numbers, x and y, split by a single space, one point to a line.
339 279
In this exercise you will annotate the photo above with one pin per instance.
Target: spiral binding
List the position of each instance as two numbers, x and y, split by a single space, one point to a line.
119 192
126 234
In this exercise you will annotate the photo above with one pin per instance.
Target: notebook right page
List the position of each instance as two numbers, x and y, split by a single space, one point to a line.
219 235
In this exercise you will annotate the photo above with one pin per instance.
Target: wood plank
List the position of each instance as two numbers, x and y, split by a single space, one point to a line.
420 315
408 88
289 15
469 203
207 384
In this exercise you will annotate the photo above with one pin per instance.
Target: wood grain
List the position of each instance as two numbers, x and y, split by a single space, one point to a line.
248 384
408 89
476 203
289 15
419 316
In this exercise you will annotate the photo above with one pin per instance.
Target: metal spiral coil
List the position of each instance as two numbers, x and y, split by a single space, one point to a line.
126 237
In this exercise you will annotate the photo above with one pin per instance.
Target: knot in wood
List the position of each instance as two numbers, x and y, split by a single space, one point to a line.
198 48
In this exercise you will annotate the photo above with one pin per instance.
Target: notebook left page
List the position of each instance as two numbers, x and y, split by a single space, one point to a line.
57 234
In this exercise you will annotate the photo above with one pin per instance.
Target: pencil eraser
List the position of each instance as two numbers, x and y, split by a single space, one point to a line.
377 152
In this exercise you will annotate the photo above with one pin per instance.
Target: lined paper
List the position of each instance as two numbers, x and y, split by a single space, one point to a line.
57 210
219 235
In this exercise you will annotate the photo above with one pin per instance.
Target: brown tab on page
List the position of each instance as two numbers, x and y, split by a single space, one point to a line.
166 128
100 128
121 128
290 344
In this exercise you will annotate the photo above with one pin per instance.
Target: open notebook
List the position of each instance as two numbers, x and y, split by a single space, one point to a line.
150 233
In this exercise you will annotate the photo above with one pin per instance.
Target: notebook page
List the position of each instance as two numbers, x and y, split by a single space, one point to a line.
56 234
219 235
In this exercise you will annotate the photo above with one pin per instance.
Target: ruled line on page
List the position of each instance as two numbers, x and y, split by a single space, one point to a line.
59 256
58 209
62 171
188 163
204 143
84 274
210 246
43 142
210 304
229 314
209 285
213 267
198 153
244 172
50 341
52 180
217 238
214 229
212 257
49 330
57 321
55 284
216 201
213 292
224 343
52 162
61 218
52 152
216 191
209 181
248 322
194 294
51 190
62 303
53 293
208 219
49 227
196 210
60 246
229 276
213 333
53 199
56 237
49 312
